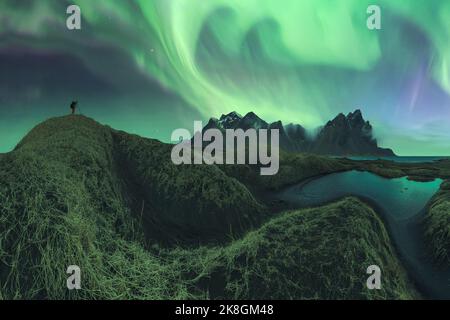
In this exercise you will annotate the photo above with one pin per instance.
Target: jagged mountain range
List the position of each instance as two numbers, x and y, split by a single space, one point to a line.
345 135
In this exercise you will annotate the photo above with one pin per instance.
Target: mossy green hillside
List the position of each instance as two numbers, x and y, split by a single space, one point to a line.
194 202
319 253
437 226
77 192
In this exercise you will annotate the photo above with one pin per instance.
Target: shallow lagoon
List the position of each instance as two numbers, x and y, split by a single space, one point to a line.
401 198
399 201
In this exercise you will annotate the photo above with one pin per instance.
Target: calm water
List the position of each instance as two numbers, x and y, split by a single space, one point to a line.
401 197
402 159
401 202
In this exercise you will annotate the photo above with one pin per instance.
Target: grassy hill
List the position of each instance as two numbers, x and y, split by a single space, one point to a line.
437 226
175 203
76 192
319 253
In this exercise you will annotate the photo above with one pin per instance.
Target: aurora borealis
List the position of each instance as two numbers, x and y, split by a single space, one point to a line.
150 66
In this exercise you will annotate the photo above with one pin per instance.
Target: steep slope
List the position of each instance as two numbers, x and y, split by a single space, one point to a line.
437 226
320 253
193 203
60 205
187 202
348 135
77 192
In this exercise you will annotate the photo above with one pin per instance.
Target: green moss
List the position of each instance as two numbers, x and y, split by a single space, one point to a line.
320 253
60 205
68 197
437 226
76 192
191 201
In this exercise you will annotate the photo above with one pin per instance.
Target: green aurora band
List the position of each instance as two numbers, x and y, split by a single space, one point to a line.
271 57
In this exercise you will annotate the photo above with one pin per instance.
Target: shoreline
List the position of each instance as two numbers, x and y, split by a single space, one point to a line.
407 240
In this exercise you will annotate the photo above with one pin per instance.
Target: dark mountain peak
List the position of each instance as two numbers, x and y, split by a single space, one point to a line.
345 126
352 120
295 131
355 114
251 116
213 123
277 125
231 115
356 119
340 118
230 120
348 135
339 121
251 120
292 126
344 135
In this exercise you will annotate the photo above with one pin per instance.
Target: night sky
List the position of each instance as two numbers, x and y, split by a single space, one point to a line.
151 66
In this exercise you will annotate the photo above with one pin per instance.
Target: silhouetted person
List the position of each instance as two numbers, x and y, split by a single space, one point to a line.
73 106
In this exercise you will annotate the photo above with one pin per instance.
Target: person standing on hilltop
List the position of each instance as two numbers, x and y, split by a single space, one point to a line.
73 106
